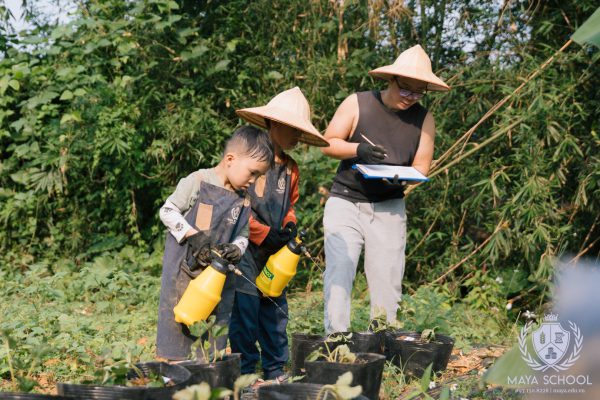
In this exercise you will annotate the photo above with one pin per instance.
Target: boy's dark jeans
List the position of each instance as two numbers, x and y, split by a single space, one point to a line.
258 319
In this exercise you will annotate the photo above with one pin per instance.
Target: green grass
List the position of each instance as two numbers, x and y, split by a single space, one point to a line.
61 321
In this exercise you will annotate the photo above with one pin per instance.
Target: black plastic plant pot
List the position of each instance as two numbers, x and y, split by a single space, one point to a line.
33 396
364 342
179 375
406 351
366 371
222 373
302 345
293 391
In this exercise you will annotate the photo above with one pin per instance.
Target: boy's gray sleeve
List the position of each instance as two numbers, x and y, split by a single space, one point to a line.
171 216
241 240
186 192
173 211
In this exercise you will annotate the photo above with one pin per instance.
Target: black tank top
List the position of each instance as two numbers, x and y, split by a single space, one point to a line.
399 131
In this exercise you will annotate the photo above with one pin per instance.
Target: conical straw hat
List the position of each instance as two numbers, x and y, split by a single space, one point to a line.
290 108
412 63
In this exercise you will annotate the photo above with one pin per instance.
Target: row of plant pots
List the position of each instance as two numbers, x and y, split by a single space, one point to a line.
222 373
405 349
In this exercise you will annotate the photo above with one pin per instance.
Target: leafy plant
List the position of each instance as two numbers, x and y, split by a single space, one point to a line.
428 335
341 390
20 370
428 308
208 332
340 354
379 322
203 390
423 387
125 372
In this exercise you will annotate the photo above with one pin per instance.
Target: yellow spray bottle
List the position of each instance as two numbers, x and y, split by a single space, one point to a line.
202 294
280 268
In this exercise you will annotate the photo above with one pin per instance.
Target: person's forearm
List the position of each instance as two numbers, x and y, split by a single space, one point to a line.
422 168
340 149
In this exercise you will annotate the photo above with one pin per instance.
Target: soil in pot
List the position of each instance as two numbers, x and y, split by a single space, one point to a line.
407 351
293 391
221 373
302 345
366 371
174 377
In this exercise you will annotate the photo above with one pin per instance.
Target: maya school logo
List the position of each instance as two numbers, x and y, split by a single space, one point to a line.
551 345
281 185
235 214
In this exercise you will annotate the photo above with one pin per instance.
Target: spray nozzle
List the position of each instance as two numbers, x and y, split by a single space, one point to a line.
232 268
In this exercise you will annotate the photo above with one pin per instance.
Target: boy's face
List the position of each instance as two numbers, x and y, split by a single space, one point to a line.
242 170
284 135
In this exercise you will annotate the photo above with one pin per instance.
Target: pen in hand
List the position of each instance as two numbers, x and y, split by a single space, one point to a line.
371 143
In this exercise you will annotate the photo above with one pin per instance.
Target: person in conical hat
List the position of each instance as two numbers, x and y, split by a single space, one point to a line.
387 127
272 226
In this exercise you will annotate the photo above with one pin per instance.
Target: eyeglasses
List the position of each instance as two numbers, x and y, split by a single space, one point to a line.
409 94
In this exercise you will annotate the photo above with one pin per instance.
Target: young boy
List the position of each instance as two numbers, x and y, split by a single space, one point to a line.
272 225
209 209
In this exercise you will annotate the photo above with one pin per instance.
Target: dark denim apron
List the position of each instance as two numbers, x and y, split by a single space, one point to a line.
220 214
270 198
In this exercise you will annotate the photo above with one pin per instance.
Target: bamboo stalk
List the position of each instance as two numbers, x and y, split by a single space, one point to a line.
582 252
501 225
478 147
468 153
434 220
465 137
589 234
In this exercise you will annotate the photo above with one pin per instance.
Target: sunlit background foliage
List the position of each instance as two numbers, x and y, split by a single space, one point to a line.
101 115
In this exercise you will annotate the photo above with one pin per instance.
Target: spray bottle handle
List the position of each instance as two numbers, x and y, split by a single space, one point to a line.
302 235
218 262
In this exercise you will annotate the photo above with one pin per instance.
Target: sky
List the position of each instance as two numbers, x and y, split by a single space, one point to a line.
52 8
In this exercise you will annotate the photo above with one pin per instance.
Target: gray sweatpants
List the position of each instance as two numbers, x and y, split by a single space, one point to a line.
381 228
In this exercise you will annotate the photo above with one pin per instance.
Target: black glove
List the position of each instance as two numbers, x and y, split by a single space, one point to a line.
370 154
292 229
275 240
199 244
395 181
230 252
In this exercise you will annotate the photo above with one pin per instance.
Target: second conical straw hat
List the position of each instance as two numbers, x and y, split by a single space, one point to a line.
290 108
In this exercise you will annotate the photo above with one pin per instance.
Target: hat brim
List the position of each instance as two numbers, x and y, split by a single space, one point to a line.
433 82
308 133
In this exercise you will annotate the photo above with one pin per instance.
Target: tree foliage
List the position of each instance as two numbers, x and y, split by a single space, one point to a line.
101 116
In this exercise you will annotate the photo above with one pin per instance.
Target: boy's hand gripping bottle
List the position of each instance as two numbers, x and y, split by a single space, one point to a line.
203 293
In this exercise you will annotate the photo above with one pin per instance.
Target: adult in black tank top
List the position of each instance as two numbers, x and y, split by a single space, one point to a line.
375 127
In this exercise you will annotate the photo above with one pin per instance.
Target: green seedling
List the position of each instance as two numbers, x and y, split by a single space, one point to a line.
125 372
208 332
203 390
428 335
341 353
341 390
